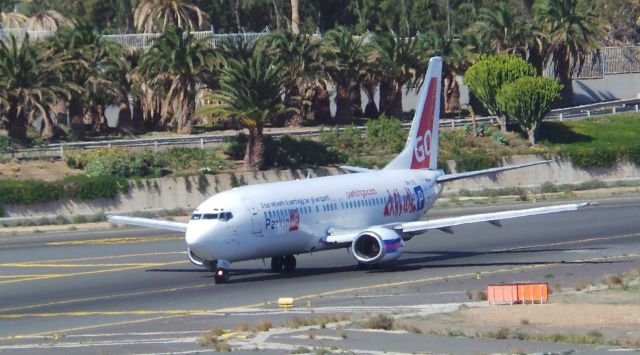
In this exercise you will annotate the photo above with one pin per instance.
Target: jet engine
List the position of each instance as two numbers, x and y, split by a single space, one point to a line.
377 245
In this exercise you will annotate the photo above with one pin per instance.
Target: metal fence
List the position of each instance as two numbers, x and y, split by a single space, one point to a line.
607 61
56 150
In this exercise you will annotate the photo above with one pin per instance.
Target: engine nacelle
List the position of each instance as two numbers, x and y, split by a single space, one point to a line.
377 245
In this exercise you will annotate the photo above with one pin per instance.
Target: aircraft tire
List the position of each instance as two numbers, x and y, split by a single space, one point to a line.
277 264
221 276
289 263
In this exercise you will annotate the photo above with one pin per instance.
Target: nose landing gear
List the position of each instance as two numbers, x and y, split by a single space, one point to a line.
221 276
284 264
221 272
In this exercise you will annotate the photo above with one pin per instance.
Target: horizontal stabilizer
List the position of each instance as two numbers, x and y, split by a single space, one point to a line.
450 177
354 169
149 223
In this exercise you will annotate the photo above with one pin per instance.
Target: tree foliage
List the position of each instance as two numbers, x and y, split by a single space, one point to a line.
527 101
250 91
486 77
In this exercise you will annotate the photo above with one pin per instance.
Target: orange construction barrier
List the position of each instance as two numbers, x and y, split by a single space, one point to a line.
518 293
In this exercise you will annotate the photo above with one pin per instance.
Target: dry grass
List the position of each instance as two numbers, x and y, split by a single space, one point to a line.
264 326
476 295
380 321
209 340
297 322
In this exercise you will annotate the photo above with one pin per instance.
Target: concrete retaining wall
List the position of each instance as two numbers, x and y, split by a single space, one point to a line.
188 192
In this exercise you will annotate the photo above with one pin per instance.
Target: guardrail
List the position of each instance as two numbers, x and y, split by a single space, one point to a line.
56 150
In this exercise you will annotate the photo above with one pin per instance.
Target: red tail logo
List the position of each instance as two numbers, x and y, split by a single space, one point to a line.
422 149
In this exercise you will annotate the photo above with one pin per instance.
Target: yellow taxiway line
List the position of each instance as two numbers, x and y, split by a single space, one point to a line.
115 241
168 314
84 273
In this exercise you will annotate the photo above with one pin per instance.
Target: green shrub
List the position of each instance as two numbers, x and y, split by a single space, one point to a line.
29 191
235 146
527 101
634 155
474 160
596 157
386 135
76 187
499 138
5 144
91 188
289 152
487 76
347 140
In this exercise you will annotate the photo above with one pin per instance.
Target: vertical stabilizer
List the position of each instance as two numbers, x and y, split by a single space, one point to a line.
421 150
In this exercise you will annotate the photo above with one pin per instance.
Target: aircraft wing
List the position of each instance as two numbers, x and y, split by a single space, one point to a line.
445 224
149 223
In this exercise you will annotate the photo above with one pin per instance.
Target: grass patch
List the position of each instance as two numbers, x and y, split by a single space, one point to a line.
380 321
322 321
212 341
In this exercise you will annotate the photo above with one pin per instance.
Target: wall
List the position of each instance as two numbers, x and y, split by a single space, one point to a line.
188 192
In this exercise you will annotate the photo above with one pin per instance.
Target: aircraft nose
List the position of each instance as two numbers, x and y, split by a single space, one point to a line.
196 237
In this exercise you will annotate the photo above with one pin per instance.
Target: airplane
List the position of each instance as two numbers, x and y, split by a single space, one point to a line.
372 212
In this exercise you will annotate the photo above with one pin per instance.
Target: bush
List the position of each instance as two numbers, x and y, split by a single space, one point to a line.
499 138
76 187
289 152
386 135
634 155
475 160
5 144
489 74
115 161
527 101
596 157
348 140
235 146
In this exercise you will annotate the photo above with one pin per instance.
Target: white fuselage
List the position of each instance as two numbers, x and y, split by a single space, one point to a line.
293 217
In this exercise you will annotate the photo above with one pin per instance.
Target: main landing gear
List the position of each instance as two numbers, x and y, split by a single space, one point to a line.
221 272
283 263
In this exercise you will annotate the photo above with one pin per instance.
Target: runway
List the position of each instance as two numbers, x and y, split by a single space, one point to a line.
138 281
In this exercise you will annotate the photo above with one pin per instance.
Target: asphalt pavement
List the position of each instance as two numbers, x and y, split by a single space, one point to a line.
133 290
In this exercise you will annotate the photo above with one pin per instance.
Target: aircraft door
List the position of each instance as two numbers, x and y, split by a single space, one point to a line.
256 223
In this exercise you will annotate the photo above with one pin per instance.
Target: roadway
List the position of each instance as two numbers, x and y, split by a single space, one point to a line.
126 282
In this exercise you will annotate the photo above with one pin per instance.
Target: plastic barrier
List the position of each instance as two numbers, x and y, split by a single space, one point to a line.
518 293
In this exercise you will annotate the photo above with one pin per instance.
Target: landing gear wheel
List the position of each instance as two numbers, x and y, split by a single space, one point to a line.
221 276
277 264
289 263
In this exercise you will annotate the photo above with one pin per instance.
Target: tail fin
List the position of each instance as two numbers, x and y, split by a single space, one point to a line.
421 150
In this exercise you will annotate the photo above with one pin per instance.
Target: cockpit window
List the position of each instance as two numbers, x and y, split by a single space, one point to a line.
196 216
210 216
225 216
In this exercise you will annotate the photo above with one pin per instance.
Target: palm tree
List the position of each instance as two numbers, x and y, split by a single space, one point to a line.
346 59
571 29
299 56
97 68
12 19
159 15
402 63
457 54
176 68
48 21
31 82
251 91
504 29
